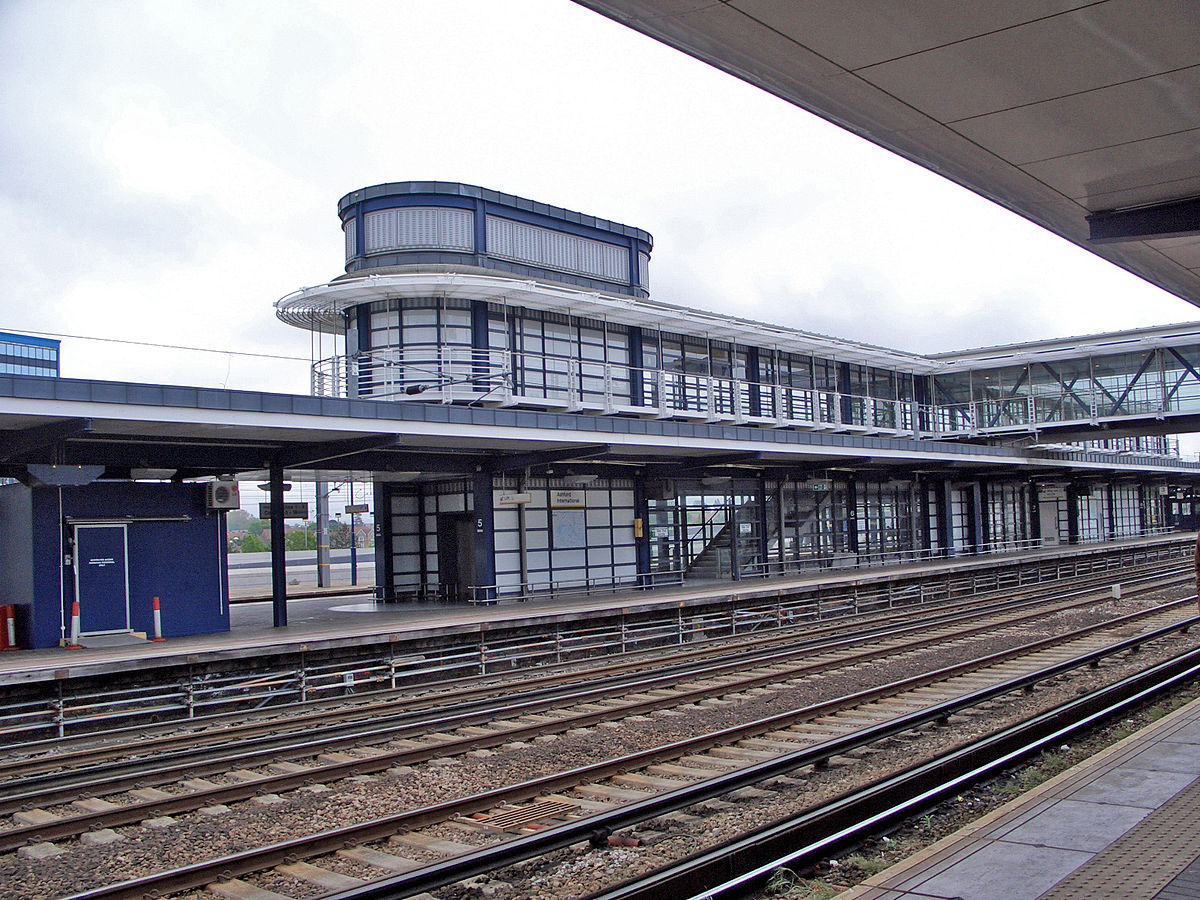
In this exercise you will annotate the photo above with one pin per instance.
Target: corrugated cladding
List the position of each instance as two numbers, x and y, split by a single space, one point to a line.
554 250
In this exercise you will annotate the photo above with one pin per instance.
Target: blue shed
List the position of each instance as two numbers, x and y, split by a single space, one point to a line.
113 546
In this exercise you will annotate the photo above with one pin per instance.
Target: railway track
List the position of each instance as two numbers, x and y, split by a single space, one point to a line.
24 760
571 796
353 749
147 733
552 810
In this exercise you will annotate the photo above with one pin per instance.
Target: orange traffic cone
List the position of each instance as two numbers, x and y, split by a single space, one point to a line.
75 645
157 623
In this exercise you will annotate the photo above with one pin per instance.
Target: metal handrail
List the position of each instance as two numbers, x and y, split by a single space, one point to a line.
606 388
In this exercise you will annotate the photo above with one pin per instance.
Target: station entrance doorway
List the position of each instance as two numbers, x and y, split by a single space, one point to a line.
456 555
102 578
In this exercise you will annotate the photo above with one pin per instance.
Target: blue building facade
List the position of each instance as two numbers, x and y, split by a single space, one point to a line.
113 547
22 354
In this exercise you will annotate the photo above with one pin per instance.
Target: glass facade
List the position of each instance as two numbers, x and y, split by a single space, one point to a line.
23 355
1083 388
728 528
541 357
479 298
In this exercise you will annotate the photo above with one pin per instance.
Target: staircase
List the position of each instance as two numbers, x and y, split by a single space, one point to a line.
713 562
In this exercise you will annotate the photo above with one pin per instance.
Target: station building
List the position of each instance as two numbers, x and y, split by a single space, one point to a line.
24 354
473 303
535 423
66 534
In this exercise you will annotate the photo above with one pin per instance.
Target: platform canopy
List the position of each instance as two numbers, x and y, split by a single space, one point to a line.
1083 117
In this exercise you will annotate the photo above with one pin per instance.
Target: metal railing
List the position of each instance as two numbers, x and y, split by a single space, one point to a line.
544 381
298 675
798 565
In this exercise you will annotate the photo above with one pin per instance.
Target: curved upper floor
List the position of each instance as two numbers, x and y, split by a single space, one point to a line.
391 226
457 294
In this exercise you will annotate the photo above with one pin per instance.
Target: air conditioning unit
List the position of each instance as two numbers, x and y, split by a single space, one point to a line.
222 493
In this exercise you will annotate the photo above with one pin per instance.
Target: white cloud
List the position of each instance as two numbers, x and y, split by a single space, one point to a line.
174 170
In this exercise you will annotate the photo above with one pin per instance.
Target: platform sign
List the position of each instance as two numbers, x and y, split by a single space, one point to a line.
567 499
350 510
514 499
290 510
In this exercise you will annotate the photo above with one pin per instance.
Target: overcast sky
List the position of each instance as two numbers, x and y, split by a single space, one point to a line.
170 169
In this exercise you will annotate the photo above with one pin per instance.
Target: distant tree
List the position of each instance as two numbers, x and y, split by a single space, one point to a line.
257 526
237 520
299 539
252 543
339 535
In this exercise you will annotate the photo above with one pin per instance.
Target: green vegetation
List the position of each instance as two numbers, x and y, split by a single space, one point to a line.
869 865
251 543
786 883
298 539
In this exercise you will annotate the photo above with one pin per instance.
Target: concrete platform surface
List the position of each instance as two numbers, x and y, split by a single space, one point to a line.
1124 824
334 618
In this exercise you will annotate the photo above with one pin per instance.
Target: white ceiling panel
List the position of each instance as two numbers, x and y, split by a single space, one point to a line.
1051 109
1185 251
1107 117
869 32
1162 192
1128 174
1043 60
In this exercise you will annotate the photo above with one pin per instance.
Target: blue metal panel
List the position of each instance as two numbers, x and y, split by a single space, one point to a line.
481 214
32 341
101 578
485 538
179 561
402 200
385 575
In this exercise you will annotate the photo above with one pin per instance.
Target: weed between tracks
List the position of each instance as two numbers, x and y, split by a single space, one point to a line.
832 876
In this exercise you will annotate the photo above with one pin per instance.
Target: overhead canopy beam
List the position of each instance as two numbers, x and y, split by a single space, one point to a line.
699 464
205 459
1176 218
39 437
311 454
516 461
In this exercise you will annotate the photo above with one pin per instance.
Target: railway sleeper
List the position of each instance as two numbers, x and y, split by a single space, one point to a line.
201 784
672 770
325 879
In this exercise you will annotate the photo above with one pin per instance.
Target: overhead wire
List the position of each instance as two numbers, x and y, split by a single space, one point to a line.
107 340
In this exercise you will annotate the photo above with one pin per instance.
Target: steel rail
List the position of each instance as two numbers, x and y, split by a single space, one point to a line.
26 768
600 824
851 819
114 777
136 812
1161 570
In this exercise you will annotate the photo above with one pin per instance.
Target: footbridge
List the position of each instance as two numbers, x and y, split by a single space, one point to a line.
1144 381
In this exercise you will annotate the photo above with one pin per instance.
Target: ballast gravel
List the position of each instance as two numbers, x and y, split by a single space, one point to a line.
194 837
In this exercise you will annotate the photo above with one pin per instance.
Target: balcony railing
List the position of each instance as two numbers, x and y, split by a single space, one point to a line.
520 379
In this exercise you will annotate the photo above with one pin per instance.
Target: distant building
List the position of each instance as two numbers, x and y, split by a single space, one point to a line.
21 354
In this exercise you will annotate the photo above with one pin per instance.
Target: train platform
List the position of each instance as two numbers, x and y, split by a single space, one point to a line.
330 620
1121 824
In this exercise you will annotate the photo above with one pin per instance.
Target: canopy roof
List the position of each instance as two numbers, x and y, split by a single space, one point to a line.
1083 117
